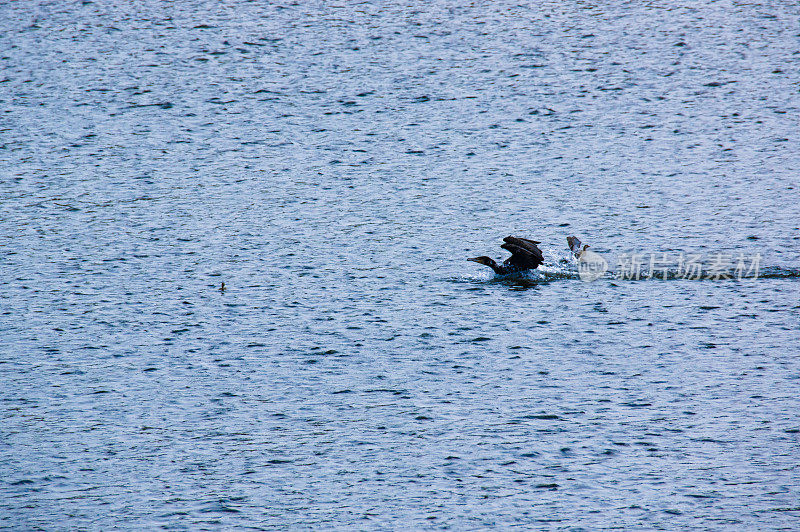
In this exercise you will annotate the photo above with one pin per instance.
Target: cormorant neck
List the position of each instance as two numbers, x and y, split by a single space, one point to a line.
499 270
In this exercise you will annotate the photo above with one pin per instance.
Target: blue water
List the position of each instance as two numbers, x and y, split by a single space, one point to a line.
334 166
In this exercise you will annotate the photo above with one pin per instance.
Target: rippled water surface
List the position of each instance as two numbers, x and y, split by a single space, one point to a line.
334 165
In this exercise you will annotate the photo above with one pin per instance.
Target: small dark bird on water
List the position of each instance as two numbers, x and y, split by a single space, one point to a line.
222 287
525 255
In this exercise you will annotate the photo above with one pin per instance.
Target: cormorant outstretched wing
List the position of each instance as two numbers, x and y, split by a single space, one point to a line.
525 255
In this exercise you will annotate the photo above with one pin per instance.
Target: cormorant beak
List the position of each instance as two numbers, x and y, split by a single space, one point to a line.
474 259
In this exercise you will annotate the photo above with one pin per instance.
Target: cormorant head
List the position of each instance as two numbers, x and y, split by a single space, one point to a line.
486 261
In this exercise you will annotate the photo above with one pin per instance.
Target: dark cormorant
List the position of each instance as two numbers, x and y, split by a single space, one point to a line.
524 256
